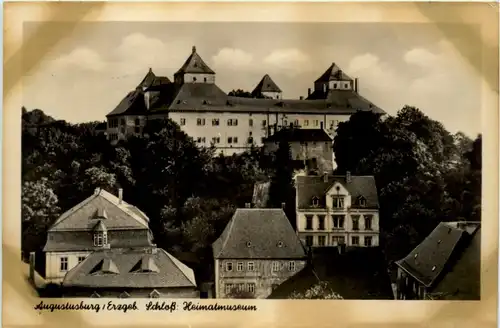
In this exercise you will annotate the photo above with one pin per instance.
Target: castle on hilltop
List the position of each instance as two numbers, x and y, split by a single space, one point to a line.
233 124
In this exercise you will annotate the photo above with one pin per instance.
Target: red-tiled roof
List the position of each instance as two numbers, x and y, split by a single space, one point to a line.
256 233
194 64
118 268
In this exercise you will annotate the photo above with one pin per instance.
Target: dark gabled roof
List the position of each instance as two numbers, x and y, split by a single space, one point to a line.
105 266
100 226
198 95
258 234
194 64
147 80
119 215
314 186
292 135
333 73
430 258
359 273
133 103
167 270
463 281
345 98
265 85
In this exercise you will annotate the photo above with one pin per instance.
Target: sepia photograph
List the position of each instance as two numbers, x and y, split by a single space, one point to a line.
232 160
226 158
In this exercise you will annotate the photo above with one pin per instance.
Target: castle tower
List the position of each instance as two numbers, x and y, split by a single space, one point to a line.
333 79
151 85
267 89
194 70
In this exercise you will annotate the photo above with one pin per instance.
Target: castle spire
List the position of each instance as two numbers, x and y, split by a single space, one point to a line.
194 49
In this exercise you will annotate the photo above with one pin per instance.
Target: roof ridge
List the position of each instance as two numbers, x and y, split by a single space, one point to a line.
122 206
72 210
176 262
224 242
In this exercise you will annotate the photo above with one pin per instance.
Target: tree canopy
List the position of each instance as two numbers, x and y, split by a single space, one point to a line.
423 173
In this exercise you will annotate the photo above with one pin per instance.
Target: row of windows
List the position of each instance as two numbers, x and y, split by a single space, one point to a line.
230 140
234 122
113 123
63 262
248 287
337 240
338 222
251 266
216 122
113 136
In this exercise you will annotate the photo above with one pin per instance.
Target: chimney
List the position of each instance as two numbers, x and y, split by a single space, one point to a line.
96 191
120 195
150 70
356 85
348 177
325 176
283 205
248 205
194 49
301 98
308 92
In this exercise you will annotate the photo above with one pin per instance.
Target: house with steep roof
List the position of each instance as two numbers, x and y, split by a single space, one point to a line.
232 124
102 221
140 272
267 88
335 210
256 252
445 265
311 149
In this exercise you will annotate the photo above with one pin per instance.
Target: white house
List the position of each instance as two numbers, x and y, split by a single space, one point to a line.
334 210
102 221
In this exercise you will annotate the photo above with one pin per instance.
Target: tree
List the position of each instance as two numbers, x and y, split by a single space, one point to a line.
420 169
281 188
320 290
240 93
38 210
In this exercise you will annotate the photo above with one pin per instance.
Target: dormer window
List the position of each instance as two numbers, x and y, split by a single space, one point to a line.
100 234
124 295
154 294
362 201
315 201
280 244
338 201
249 244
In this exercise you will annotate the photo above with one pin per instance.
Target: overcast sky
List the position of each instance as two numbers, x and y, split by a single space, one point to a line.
87 74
